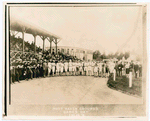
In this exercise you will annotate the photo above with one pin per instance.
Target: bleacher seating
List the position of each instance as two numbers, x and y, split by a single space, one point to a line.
29 55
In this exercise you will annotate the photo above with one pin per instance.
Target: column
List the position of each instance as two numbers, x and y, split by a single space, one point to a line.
43 38
51 45
43 45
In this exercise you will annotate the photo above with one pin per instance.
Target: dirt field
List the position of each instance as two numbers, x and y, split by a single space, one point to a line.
68 90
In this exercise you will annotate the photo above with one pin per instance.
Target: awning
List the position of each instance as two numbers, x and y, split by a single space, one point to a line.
21 25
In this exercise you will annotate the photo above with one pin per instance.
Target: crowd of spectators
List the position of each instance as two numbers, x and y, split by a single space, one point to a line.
28 65
16 45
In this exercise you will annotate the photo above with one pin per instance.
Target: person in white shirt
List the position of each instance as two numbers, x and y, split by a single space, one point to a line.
66 64
100 69
80 68
127 66
103 70
53 67
60 66
70 67
73 68
85 67
111 66
93 64
57 68
77 68
96 70
49 67
89 66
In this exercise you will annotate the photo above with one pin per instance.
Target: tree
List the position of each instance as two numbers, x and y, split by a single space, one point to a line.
120 56
96 55
110 55
116 54
103 56
127 55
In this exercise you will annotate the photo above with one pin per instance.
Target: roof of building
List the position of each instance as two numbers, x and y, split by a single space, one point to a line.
20 25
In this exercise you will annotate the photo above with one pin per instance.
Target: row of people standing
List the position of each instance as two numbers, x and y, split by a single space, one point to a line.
58 68
70 68
125 68
87 68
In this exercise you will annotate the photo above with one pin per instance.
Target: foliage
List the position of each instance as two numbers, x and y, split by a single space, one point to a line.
122 84
98 56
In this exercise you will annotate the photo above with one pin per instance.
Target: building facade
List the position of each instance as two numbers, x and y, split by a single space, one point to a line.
80 53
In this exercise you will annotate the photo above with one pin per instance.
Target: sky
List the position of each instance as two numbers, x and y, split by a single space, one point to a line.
107 29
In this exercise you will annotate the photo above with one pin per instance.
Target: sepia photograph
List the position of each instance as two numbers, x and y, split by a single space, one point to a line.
75 60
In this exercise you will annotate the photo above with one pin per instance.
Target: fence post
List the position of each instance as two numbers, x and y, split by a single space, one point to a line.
114 74
130 79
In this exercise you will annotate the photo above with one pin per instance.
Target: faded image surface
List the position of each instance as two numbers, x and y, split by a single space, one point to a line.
77 61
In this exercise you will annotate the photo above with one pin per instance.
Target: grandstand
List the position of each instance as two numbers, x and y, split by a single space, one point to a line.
19 25
16 54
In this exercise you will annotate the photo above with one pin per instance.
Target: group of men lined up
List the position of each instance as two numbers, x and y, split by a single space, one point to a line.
30 70
51 68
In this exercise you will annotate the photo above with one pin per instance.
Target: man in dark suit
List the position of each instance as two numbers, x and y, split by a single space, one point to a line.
17 73
44 68
38 71
120 66
140 70
41 70
136 69
12 73
116 68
